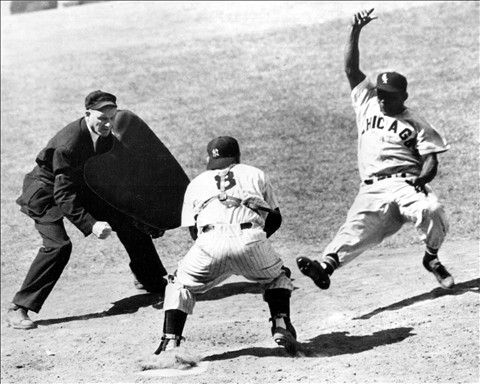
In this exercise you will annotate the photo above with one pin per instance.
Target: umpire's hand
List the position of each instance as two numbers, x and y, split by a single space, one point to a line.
101 229
362 18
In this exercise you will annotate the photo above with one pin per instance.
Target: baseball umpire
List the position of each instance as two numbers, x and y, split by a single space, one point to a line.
397 157
56 189
231 210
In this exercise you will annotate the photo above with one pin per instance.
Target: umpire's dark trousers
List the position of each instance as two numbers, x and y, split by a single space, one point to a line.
52 258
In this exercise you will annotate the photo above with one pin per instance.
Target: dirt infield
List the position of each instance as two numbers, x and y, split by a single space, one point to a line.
384 319
258 71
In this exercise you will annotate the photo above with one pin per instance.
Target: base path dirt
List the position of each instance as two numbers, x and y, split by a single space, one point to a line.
384 319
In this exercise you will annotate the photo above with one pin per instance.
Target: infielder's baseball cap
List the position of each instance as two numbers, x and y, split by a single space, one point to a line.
99 99
391 82
222 151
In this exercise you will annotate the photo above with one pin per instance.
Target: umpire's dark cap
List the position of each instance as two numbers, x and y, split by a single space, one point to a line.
222 151
391 82
99 99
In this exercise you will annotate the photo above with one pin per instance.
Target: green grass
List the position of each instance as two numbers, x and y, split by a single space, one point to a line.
282 94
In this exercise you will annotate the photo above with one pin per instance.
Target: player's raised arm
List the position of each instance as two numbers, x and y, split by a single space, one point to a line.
352 55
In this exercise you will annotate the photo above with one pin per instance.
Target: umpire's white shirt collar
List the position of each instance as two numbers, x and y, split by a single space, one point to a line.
94 136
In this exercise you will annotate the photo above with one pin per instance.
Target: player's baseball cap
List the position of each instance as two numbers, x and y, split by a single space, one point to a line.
222 151
99 99
391 82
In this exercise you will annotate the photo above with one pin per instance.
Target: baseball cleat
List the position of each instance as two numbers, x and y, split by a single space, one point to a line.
315 271
285 339
443 276
168 342
17 317
138 285
439 271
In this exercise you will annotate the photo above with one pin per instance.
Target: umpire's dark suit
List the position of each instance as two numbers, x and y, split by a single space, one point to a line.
56 189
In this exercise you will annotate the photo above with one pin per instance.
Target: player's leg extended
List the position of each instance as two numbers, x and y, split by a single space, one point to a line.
258 261
428 216
371 218
283 332
179 302
197 272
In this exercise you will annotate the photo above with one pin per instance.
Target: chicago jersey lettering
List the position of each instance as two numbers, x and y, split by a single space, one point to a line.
388 144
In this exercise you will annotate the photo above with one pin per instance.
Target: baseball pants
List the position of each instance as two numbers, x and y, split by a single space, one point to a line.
220 253
380 209
54 255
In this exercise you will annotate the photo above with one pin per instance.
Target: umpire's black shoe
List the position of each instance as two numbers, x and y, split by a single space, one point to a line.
439 271
315 271
159 288
138 285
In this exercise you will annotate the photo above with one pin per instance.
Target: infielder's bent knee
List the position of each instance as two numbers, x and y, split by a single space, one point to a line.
280 282
178 297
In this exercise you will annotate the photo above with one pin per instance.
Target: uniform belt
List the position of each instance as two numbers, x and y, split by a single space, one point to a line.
378 178
209 227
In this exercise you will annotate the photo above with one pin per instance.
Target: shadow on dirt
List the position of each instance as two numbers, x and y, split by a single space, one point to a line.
230 289
127 305
458 289
133 303
332 344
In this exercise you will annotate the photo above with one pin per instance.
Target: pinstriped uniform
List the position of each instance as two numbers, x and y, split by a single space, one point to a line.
242 181
226 249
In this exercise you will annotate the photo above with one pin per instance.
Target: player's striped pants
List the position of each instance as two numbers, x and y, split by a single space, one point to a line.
380 209
220 253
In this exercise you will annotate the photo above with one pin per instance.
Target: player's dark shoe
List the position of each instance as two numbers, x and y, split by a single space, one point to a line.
289 325
315 271
285 337
439 271
169 342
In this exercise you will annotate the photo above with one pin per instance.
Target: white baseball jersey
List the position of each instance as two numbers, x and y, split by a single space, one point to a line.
388 145
226 249
242 181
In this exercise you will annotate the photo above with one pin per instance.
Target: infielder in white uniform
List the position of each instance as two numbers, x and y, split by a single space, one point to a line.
397 157
230 210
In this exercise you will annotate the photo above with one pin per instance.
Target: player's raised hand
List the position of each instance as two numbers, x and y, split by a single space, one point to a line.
362 18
